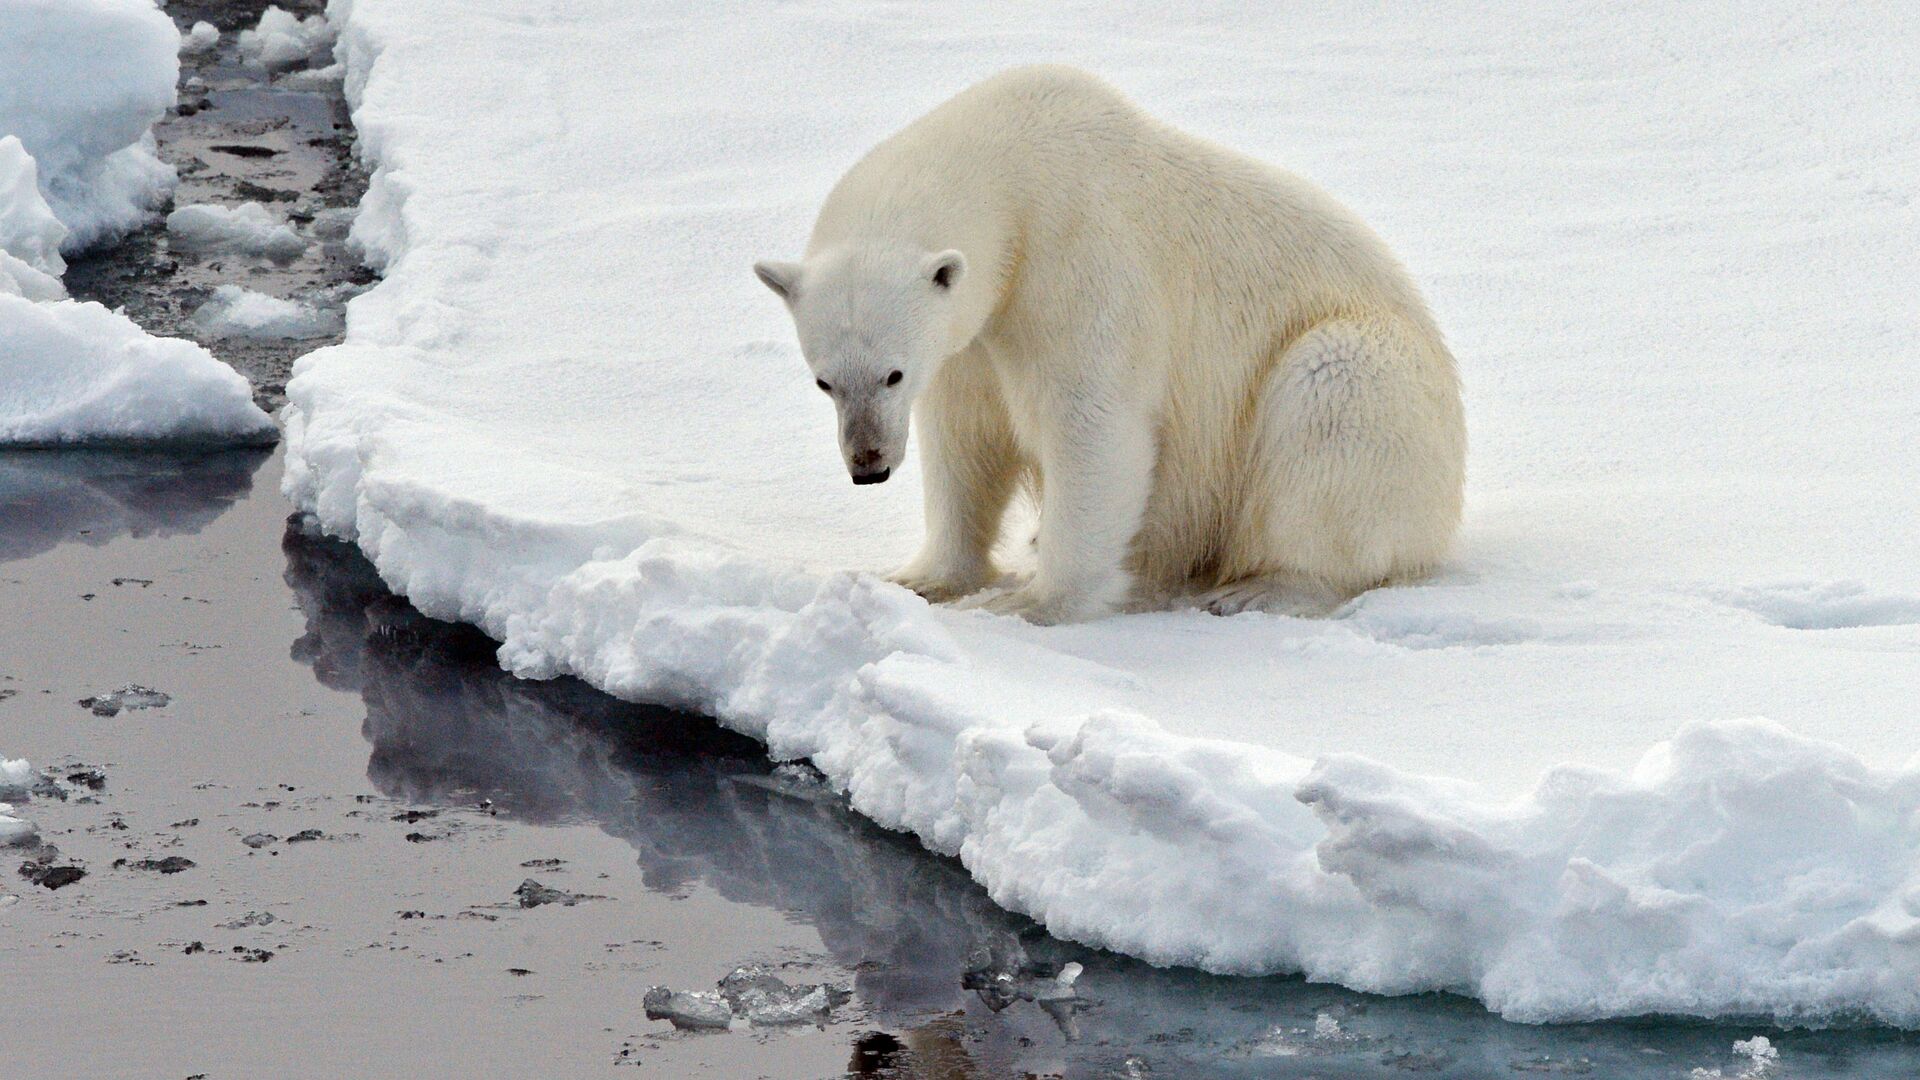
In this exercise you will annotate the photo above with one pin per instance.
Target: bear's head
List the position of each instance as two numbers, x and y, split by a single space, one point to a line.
874 326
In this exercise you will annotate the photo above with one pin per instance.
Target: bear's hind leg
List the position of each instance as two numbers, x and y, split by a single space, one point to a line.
1276 594
1357 461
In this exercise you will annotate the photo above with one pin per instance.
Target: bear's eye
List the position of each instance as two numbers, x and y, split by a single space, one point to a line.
822 384
893 378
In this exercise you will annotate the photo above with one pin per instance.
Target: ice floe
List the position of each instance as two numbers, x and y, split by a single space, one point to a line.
569 416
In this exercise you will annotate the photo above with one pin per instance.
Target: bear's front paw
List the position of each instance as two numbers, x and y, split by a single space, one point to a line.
940 586
1042 607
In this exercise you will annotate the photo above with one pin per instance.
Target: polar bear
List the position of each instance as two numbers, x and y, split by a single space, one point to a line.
1214 380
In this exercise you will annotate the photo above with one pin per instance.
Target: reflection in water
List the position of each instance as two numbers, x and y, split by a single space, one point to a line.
50 497
699 804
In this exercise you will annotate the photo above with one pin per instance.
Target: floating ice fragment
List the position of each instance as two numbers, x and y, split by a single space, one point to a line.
247 229
129 697
281 40
333 223
795 1005
691 1009
202 38
236 312
1761 1057
744 980
533 894
319 78
251 918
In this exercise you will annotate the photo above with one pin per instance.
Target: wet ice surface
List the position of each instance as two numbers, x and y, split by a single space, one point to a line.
267 189
307 699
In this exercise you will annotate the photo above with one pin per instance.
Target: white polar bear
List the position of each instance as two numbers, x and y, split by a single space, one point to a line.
1212 377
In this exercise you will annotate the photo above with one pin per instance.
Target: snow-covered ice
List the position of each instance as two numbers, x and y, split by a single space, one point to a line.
129 698
1761 1061
1674 252
693 1009
282 39
73 372
81 81
234 311
30 234
247 229
202 38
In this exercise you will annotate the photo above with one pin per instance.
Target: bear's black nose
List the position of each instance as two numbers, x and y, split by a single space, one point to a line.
872 477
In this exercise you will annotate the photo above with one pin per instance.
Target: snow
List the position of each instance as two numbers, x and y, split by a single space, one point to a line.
30 235
238 312
201 39
73 372
1673 252
81 81
247 229
283 40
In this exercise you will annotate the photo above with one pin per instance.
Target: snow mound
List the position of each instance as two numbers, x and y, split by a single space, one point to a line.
16 778
30 236
283 40
81 82
29 231
570 416
203 38
247 229
243 313
320 78
74 372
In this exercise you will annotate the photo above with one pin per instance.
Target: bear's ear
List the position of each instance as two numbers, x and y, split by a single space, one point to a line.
781 277
944 268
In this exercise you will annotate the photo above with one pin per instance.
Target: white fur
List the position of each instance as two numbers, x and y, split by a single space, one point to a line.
1210 375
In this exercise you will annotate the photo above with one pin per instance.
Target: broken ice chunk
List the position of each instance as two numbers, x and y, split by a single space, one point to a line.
532 894
128 697
687 1009
765 999
1059 1000
744 980
795 1005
